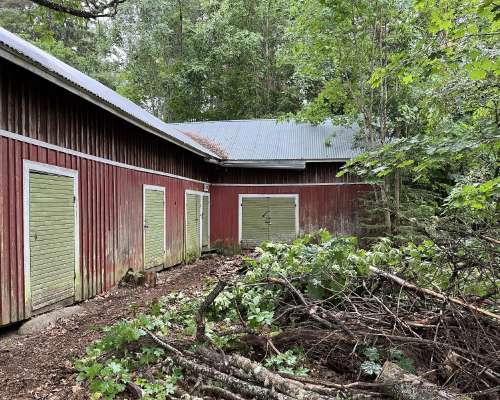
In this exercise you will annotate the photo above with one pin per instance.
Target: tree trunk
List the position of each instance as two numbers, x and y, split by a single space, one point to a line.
405 386
397 200
386 206
181 29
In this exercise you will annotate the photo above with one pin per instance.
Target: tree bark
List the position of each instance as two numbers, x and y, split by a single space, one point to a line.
200 316
397 200
405 386
386 206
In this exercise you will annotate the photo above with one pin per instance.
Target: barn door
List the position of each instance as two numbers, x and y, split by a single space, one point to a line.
52 239
264 218
282 217
205 218
193 225
255 220
154 226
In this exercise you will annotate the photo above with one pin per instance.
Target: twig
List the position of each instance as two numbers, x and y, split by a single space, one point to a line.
432 293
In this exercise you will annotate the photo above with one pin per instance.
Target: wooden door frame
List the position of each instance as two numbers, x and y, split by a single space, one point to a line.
33 166
241 196
158 189
200 213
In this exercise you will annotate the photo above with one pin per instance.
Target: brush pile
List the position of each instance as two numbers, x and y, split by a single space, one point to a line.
311 320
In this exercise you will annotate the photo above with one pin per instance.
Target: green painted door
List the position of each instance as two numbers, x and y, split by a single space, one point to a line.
282 226
254 221
193 204
205 216
154 227
267 218
51 238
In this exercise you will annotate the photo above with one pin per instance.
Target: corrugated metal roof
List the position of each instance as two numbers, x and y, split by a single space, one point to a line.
268 139
40 59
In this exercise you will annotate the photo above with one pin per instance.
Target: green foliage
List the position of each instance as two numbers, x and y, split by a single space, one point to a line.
371 353
373 365
341 50
370 368
428 265
118 356
77 42
191 257
404 362
288 362
325 261
161 389
184 60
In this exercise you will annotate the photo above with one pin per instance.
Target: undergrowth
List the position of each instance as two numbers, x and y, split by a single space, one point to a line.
322 267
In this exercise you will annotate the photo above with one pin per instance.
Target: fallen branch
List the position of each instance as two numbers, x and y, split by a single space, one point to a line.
377 387
205 305
219 393
434 294
311 309
269 385
135 390
490 239
207 302
405 386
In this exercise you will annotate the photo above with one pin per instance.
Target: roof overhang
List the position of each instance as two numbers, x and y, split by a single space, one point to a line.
13 56
273 164
268 164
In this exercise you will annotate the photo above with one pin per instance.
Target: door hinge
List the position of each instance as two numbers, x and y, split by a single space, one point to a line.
74 199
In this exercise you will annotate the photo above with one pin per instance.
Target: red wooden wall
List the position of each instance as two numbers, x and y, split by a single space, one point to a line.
320 206
39 109
110 209
314 172
110 196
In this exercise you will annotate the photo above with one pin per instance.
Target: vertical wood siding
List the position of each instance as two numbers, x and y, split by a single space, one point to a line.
316 172
33 107
333 207
111 221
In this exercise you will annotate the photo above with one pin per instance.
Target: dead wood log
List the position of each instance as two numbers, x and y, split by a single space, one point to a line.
135 390
356 390
368 386
490 239
405 386
267 378
200 315
219 393
434 294
238 385
207 302
183 395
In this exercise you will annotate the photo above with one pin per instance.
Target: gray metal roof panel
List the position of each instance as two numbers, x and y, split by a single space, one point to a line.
268 139
50 63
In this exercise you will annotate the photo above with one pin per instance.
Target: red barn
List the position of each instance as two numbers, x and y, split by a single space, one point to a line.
92 185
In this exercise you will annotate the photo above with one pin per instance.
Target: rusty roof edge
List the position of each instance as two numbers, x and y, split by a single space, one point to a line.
278 164
24 61
284 160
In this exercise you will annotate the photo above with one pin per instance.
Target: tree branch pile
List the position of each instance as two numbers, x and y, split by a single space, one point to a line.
454 344
377 337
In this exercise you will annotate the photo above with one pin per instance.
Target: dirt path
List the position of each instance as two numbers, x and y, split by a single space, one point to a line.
38 366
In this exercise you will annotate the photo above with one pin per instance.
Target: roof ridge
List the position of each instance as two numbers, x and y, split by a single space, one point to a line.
221 120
